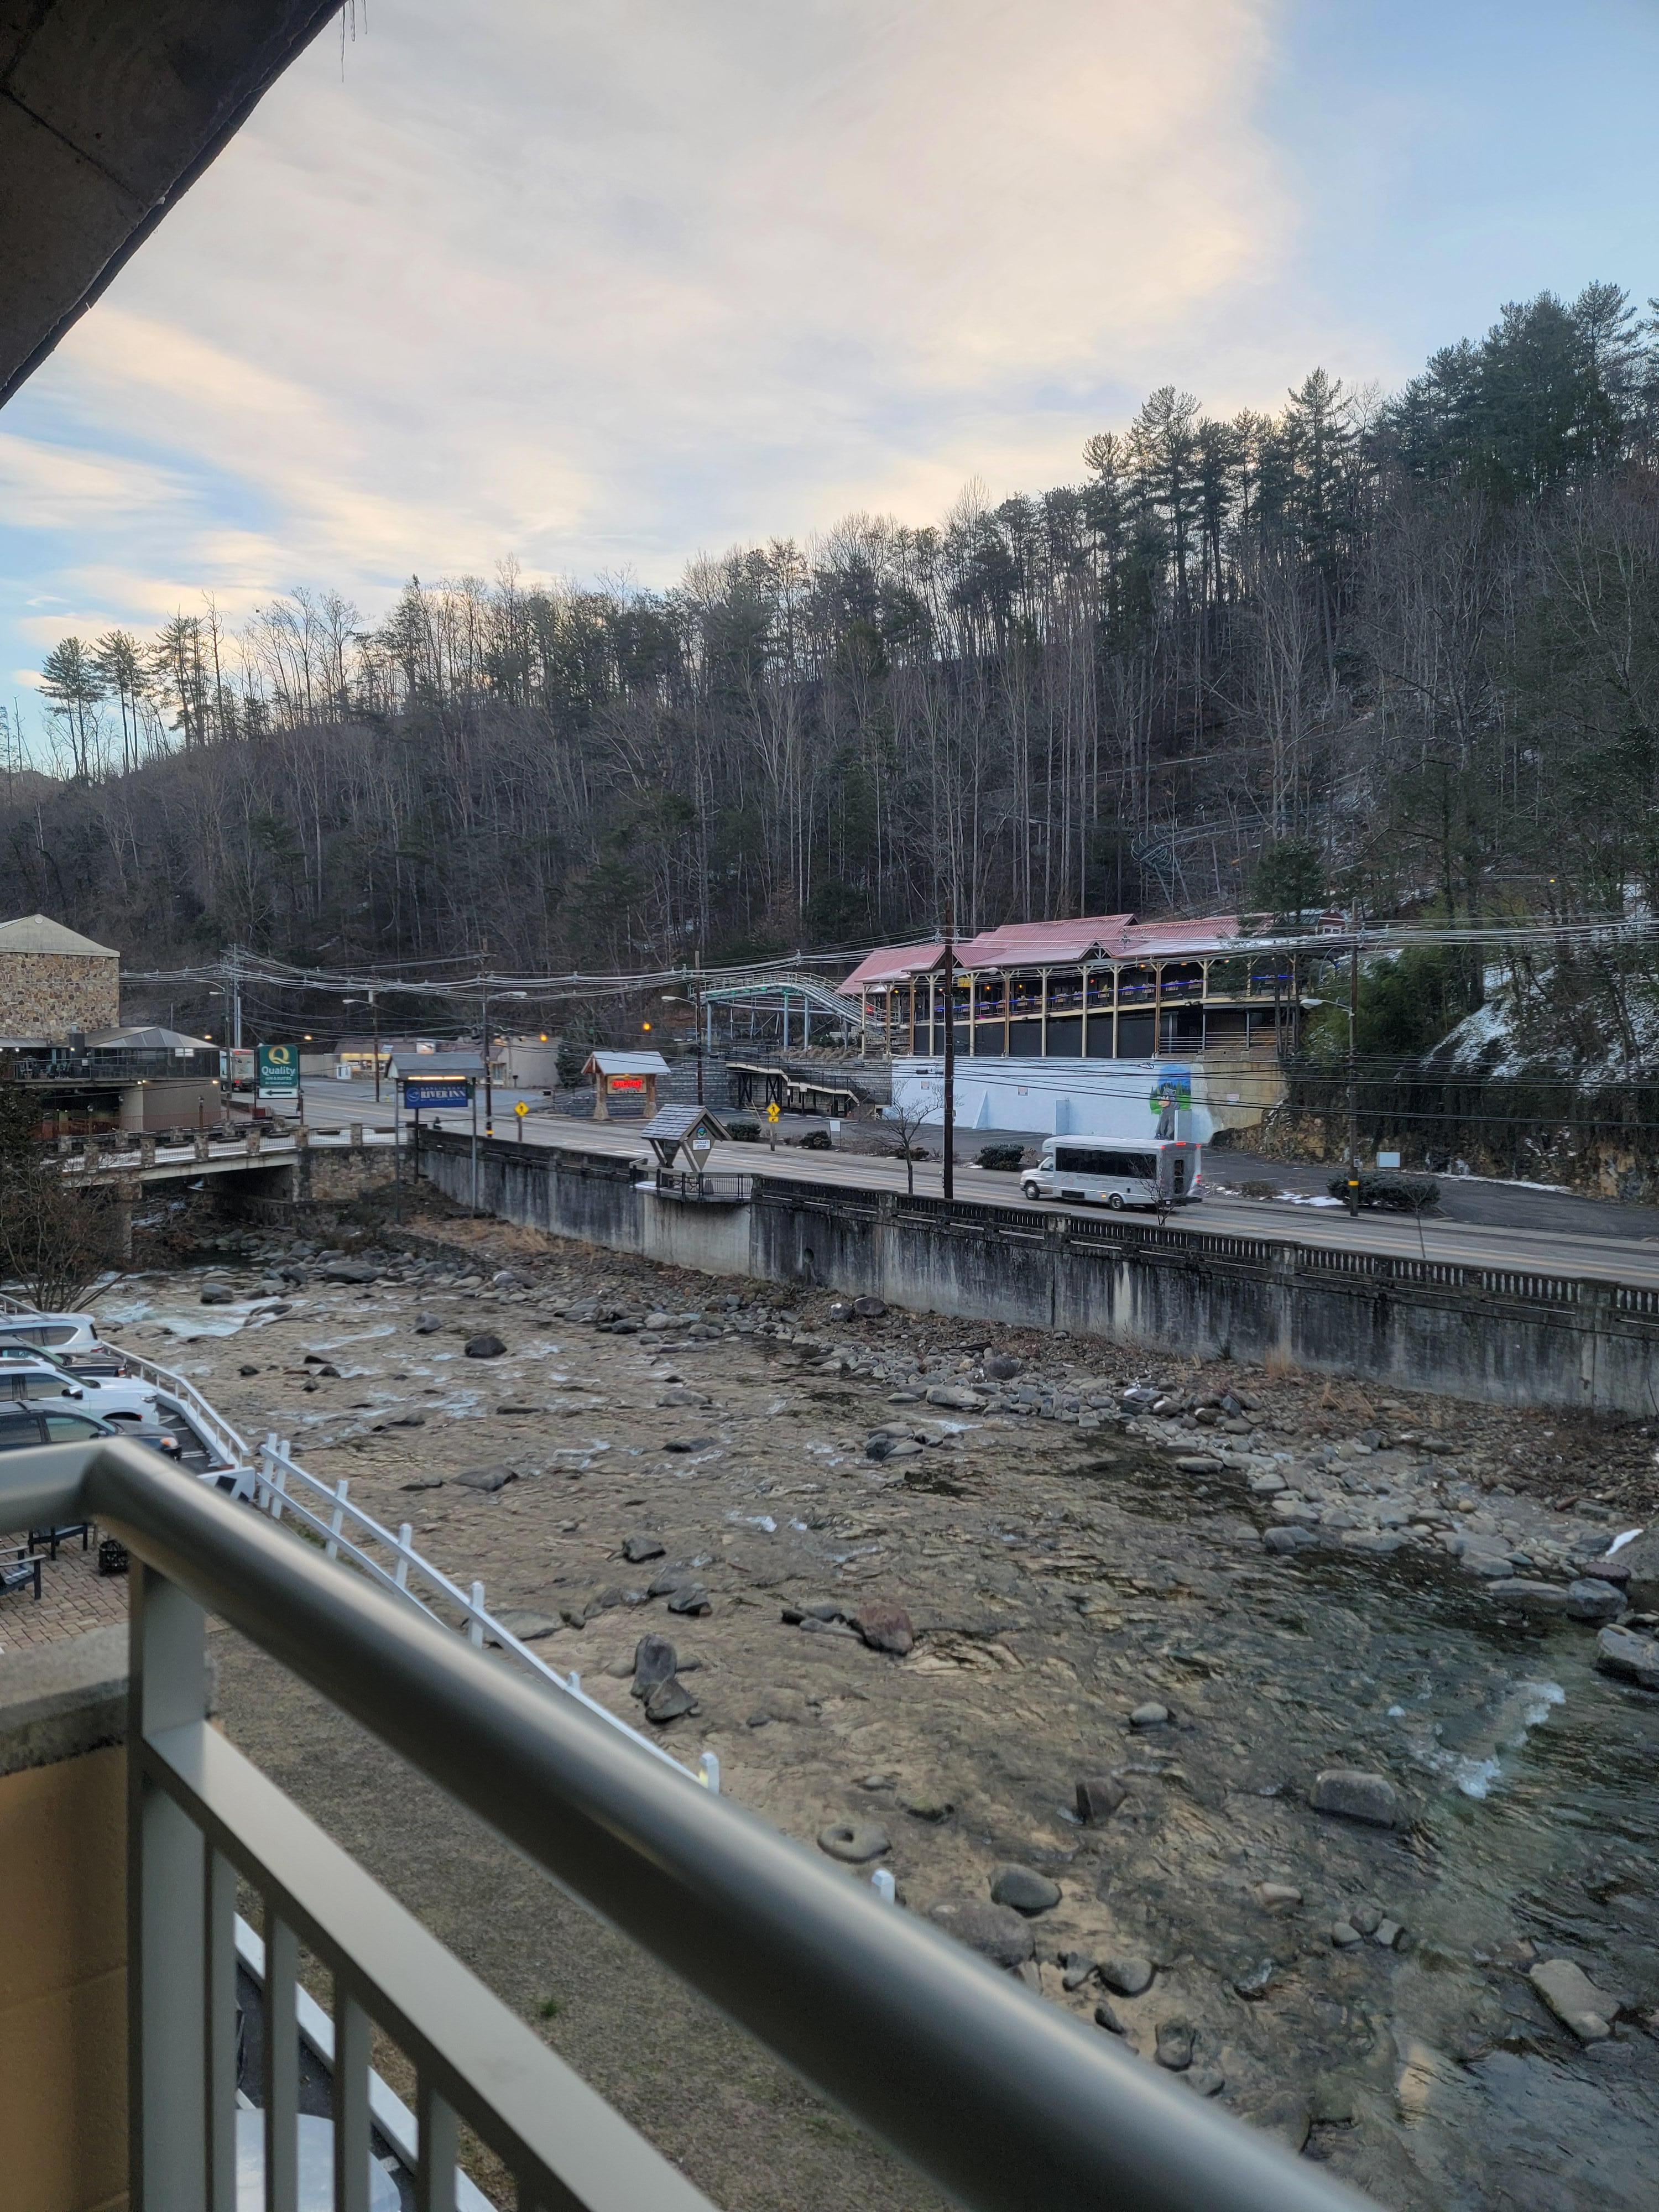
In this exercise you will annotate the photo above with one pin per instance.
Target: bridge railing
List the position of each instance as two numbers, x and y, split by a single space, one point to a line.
146 1152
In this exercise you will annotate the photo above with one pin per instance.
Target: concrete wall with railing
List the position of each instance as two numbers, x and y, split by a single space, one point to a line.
1507 1336
64 1934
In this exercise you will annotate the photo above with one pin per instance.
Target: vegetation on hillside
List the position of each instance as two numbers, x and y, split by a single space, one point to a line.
1405 651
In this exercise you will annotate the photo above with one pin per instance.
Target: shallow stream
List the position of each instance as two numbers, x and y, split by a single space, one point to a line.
1531 1778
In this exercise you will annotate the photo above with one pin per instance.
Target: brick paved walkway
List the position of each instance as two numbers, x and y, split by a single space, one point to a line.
74 1597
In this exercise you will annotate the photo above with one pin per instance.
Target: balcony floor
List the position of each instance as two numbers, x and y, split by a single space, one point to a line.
74 1598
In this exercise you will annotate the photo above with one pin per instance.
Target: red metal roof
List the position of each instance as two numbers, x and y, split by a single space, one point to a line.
1215 933
1039 943
1050 944
893 963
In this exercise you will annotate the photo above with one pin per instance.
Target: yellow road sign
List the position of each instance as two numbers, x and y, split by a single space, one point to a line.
521 1110
773 1111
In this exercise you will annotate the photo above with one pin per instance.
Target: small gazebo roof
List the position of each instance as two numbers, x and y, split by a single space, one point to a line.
671 1127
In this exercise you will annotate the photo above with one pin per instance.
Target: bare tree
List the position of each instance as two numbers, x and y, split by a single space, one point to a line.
56 1240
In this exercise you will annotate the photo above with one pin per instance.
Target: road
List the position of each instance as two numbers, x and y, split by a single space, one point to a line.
1632 1256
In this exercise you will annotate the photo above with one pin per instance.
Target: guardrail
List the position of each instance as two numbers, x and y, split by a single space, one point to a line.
696 1187
1000 2099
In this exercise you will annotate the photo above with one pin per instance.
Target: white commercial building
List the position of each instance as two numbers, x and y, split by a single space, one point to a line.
1070 1097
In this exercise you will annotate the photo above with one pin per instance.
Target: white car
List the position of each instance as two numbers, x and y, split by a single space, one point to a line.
110 1398
56 1332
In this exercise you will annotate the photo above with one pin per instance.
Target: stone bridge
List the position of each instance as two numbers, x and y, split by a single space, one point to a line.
248 1172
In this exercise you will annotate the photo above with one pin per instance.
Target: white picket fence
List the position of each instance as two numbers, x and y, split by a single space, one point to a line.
279 1485
212 1425
272 1479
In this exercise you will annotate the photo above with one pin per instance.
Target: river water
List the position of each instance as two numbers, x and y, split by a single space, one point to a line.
1531 1780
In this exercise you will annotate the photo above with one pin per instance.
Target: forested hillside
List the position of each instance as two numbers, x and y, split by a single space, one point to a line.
1418 634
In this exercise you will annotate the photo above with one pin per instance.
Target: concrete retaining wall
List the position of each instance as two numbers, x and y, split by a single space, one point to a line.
1509 1338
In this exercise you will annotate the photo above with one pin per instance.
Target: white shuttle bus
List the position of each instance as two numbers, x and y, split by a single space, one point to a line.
1152 1171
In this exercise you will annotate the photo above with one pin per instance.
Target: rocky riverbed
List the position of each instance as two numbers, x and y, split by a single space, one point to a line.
1264 1723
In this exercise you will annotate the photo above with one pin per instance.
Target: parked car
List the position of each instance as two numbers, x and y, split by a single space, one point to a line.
23 1426
111 1398
71 1336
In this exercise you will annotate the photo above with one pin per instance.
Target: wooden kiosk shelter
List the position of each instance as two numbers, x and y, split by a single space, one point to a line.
624 1084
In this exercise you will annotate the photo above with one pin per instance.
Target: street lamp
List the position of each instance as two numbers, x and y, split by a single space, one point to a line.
691 999
374 1006
489 1093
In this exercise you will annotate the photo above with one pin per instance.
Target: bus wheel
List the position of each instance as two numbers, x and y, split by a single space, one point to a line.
1115 1201
1032 1189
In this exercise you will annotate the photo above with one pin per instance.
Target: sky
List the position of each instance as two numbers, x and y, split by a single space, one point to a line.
601 289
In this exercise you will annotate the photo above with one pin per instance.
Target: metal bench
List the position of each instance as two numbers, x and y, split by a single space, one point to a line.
19 1566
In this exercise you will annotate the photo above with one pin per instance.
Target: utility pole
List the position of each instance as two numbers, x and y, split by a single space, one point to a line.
489 1094
1353 1070
696 1022
374 1016
236 999
948 961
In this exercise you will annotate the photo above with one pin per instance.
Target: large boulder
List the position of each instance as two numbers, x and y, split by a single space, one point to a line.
885 1627
1574 1999
1632 1658
1354 1795
1024 1890
995 1931
1591 1599
1640 1561
349 1271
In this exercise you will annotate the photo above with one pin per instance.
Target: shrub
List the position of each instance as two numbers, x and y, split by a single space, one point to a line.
815 1141
1005 1158
1390 1194
743 1133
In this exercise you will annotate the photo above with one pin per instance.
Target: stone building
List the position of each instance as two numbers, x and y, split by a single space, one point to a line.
54 982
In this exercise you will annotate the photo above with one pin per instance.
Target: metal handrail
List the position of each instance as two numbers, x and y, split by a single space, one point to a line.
272 1481
1005 2101
212 1424
272 1476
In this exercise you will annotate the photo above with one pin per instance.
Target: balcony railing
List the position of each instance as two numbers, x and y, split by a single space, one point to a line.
1002 2100
696 1187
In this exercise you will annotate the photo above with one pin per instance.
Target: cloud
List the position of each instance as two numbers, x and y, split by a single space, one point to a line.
596 287
58 487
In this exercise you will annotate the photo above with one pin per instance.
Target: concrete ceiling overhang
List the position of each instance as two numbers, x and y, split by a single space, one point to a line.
109 111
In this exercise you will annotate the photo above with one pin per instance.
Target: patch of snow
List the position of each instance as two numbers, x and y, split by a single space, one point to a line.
1462 1174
